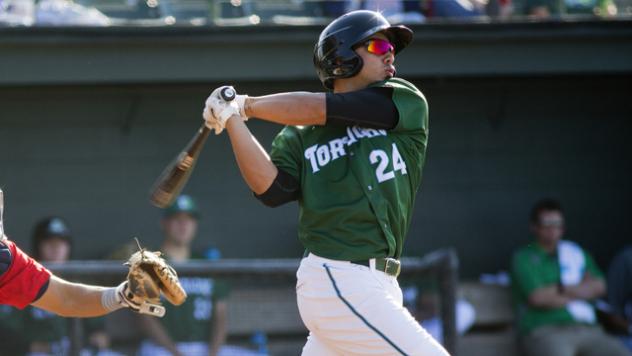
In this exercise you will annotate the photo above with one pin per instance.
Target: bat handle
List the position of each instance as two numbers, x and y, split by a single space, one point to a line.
228 93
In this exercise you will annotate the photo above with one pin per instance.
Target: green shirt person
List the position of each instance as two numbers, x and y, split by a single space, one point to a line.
543 9
533 268
553 284
12 331
352 158
199 325
47 332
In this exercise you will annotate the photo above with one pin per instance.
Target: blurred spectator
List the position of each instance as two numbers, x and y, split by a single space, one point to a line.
12 336
51 240
620 295
501 9
50 13
48 333
335 8
554 282
542 9
455 8
395 11
67 13
199 326
17 12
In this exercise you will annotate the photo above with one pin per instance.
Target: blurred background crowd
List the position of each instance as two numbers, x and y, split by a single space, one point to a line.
292 12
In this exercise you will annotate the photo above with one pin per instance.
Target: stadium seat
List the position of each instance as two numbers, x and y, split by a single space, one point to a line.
493 332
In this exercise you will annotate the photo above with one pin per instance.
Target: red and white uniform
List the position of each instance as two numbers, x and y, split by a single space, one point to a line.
23 280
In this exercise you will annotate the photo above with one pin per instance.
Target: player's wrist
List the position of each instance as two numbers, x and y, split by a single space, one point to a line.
111 300
248 106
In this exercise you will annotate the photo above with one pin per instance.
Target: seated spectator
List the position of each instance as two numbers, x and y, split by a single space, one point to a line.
48 333
197 327
401 11
67 13
620 295
455 8
554 282
543 9
395 11
12 336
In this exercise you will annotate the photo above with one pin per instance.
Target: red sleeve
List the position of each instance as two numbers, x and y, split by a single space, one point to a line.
22 281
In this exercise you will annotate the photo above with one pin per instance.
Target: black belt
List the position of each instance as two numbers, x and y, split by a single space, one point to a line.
388 265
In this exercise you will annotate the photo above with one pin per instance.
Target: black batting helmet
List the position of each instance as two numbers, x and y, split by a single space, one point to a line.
334 55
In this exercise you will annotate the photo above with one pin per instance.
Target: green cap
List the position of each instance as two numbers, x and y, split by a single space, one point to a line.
183 204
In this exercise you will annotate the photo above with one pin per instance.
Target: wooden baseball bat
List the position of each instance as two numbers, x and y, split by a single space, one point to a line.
175 176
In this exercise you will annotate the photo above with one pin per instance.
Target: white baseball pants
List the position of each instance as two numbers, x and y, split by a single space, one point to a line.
352 309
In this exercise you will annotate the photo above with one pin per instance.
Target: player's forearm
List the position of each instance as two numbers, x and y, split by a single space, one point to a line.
218 339
588 289
296 108
218 328
254 163
548 297
72 299
151 327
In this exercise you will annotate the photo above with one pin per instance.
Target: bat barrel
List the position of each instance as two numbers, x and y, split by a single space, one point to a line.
173 179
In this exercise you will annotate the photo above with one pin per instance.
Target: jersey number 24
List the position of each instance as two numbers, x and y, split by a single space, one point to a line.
382 159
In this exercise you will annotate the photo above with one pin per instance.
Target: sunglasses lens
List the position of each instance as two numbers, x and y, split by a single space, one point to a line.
379 47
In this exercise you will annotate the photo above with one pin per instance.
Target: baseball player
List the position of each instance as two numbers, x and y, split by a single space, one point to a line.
23 281
353 159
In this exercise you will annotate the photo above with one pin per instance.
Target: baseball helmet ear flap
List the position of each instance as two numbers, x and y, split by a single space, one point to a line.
333 62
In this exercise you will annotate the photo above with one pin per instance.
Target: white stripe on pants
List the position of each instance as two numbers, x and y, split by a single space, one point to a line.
351 309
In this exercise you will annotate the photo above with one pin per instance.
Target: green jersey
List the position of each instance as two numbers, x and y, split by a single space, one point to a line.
14 341
46 327
533 268
358 185
191 321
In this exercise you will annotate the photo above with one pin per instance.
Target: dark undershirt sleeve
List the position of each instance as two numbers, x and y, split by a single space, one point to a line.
284 189
41 291
370 108
5 258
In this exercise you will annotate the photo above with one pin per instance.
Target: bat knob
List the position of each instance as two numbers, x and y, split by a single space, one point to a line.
228 93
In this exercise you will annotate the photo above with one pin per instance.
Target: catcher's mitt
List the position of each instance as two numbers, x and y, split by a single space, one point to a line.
148 276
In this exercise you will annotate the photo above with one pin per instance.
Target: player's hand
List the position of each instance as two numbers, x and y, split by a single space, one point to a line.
148 278
218 111
127 299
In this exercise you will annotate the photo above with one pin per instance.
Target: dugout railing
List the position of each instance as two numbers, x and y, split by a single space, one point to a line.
440 266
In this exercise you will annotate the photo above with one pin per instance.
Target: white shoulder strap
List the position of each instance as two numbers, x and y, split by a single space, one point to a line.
572 262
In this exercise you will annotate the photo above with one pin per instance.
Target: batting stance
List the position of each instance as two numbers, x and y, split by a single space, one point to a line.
353 159
23 281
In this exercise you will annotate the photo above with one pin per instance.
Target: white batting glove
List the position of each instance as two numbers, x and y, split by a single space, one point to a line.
218 111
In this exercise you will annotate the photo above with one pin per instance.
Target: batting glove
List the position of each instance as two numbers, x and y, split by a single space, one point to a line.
218 111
